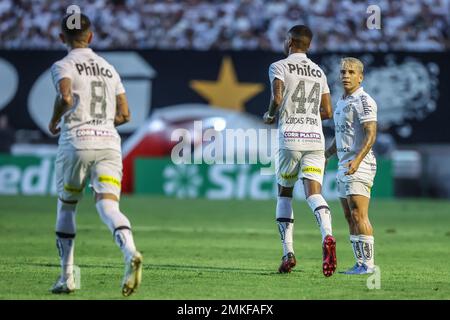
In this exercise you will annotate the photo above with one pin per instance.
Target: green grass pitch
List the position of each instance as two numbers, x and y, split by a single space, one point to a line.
200 249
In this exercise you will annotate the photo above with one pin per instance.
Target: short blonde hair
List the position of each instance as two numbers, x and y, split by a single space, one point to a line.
353 61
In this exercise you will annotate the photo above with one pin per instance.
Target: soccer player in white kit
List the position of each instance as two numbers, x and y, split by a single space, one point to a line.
355 120
301 95
90 103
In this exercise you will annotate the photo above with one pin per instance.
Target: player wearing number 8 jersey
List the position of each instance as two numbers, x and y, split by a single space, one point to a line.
301 96
90 103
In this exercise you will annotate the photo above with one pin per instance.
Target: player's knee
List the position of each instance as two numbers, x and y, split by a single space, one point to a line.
103 196
311 187
285 191
356 216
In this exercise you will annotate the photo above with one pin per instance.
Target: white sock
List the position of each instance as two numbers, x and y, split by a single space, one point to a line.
354 240
66 248
119 225
367 248
322 213
65 217
285 221
65 236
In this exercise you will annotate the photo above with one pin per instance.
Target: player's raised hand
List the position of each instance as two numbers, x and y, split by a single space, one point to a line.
268 119
352 166
53 127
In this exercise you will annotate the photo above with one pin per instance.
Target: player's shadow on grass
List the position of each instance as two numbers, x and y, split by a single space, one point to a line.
208 268
87 266
147 266
253 271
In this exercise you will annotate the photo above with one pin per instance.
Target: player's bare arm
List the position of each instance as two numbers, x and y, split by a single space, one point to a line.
63 102
370 133
122 112
326 111
275 101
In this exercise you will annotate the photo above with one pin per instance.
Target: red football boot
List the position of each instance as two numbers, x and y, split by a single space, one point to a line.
329 256
287 263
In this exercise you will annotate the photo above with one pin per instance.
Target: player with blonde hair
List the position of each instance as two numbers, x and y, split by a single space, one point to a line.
355 119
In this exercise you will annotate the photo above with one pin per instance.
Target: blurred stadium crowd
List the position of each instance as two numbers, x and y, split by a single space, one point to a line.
410 25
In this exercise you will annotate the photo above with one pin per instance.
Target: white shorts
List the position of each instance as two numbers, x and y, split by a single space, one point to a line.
358 183
291 165
74 167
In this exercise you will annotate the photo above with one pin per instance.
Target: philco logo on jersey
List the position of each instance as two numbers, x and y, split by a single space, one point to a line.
304 135
304 70
93 70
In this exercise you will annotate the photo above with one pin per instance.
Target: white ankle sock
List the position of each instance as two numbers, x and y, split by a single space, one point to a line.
357 253
65 236
66 248
367 248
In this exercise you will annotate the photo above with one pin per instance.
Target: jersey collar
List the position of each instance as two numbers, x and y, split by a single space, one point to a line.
354 94
81 50
298 54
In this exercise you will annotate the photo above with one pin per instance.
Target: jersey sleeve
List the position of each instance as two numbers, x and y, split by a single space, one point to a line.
325 88
366 109
60 70
276 71
120 89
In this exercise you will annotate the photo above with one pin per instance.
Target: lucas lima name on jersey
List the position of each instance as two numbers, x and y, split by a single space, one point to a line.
349 116
299 123
89 124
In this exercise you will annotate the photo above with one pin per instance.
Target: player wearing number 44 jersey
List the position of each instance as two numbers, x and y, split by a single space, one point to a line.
301 96
90 103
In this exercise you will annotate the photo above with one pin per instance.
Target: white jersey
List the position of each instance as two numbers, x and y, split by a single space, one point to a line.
299 123
89 124
349 116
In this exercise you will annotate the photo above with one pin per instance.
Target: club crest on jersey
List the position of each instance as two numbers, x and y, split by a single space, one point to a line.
93 70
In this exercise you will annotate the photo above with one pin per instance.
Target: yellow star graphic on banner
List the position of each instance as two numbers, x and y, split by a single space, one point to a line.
227 92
